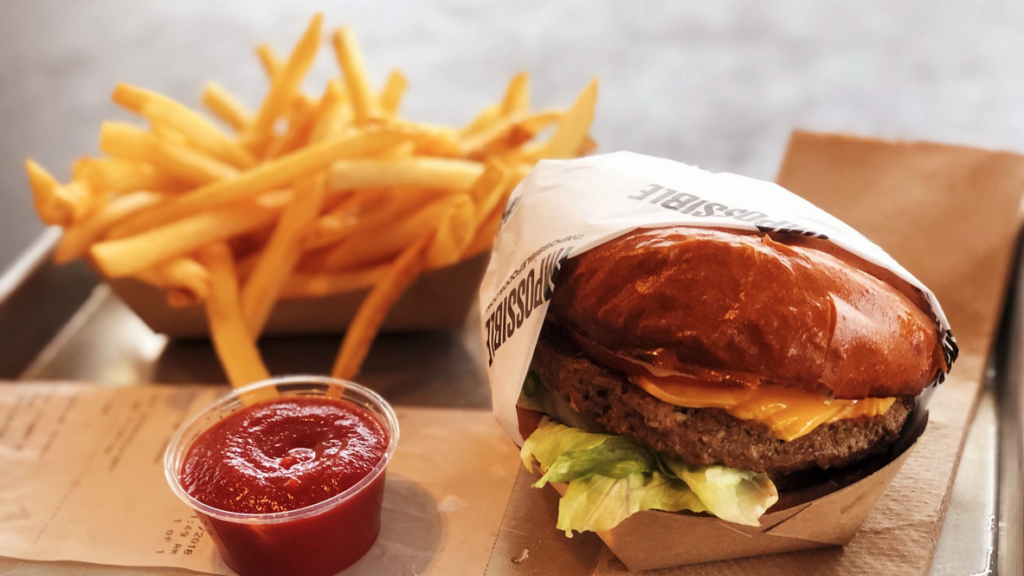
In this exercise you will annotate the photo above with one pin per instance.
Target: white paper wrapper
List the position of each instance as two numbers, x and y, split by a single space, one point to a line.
564 208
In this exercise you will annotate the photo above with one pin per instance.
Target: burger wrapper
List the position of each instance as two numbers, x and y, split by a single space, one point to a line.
909 198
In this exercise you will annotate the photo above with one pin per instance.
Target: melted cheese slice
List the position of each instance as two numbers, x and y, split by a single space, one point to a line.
789 413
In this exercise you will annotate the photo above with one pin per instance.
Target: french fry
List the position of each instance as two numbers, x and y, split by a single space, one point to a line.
320 284
297 134
489 189
332 114
572 130
517 96
281 254
127 256
485 118
375 307
390 240
363 214
273 65
485 232
284 85
271 62
79 236
234 346
305 198
326 120
187 280
202 134
394 89
505 134
226 107
120 175
56 204
130 142
419 172
454 233
267 176
167 133
350 57
435 140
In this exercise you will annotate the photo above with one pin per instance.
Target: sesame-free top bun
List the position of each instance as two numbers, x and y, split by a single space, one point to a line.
733 308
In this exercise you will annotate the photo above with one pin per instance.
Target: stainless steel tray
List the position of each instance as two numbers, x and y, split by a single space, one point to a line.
58 324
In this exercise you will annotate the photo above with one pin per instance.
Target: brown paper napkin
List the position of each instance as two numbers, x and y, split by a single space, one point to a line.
950 215
82 480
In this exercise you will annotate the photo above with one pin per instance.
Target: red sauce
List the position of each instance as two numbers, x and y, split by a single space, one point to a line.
285 454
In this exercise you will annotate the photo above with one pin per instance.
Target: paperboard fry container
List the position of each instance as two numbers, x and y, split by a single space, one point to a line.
565 208
438 300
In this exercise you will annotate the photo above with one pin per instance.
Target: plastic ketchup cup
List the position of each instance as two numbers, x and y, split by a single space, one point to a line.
319 539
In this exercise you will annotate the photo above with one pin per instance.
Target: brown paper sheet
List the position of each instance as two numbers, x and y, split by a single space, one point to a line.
950 215
82 477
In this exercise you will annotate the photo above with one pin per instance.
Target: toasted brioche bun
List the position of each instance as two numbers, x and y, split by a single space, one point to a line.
740 309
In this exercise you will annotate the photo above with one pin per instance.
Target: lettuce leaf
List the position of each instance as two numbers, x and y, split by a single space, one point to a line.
739 496
600 503
610 478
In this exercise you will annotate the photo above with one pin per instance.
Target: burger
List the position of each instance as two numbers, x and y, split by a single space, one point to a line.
707 370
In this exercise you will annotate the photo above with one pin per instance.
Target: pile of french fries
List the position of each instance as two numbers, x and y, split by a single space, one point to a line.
304 197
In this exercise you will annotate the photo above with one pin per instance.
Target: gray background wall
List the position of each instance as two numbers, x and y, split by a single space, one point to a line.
717 84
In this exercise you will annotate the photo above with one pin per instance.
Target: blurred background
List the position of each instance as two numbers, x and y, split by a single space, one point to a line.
716 84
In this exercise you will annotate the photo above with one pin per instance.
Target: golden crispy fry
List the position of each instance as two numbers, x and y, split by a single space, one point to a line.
281 253
332 114
517 96
270 175
235 347
435 140
167 133
362 215
198 131
326 120
130 142
485 118
273 65
486 231
120 175
364 101
312 197
572 130
126 256
389 240
226 107
187 281
56 204
271 62
454 233
443 174
284 85
506 134
394 89
320 284
364 327
293 139
81 235
489 189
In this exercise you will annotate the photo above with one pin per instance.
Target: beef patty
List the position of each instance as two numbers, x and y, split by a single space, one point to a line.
705 435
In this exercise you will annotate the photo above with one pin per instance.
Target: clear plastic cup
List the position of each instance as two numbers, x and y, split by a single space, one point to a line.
317 540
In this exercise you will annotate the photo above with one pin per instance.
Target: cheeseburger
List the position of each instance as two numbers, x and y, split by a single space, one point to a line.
707 369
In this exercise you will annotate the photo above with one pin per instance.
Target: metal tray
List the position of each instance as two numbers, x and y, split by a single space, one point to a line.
59 324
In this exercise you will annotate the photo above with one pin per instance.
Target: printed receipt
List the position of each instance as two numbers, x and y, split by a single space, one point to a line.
82 477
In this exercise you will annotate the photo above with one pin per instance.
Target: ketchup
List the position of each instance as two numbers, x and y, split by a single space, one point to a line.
280 456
